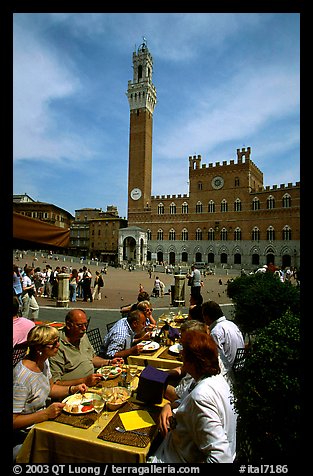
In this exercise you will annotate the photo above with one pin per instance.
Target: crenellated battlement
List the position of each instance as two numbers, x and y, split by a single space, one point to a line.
169 197
282 186
243 157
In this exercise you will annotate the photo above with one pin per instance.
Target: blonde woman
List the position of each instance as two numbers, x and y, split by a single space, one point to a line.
146 308
32 384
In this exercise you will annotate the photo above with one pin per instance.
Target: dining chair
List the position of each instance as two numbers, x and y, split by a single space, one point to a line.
95 339
239 359
19 352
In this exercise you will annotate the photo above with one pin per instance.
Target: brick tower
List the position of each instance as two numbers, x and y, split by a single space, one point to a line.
141 95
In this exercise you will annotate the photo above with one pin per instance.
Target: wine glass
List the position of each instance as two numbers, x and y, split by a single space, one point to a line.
98 405
133 370
105 372
106 393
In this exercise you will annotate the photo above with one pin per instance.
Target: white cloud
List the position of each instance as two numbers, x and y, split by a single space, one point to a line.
39 79
239 109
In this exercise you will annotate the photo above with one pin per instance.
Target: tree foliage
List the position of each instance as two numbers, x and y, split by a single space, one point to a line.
260 298
267 393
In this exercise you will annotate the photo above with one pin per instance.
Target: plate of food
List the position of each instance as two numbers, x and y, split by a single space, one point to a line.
150 346
181 318
176 348
79 404
114 371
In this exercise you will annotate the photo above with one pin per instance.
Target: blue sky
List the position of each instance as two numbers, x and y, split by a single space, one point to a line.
223 80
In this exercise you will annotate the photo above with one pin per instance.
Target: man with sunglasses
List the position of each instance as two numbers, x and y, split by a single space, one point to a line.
75 361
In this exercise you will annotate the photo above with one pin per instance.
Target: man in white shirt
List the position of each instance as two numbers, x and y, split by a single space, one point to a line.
225 333
195 275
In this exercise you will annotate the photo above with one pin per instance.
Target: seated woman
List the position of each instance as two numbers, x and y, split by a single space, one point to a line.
32 384
205 421
146 308
179 374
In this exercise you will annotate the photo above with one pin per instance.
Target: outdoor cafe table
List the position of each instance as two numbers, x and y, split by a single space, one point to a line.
56 442
160 358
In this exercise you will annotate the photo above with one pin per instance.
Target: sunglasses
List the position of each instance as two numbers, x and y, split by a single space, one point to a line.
54 344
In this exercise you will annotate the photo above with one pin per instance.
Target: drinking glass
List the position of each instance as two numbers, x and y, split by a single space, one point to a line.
105 372
106 393
124 375
98 405
133 372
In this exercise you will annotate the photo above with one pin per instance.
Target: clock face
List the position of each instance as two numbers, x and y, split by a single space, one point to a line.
135 193
217 182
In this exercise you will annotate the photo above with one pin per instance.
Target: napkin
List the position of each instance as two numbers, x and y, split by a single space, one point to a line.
136 419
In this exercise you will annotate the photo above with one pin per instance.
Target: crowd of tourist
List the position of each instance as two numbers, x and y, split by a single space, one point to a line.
198 424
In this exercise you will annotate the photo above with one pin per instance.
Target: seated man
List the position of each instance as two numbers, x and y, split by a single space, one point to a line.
226 334
120 341
75 361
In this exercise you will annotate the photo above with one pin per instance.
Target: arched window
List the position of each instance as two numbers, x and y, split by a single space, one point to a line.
237 205
237 182
270 233
255 204
199 185
237 258
286 201
149 235
160 234
224 206
223 258
140 71
172 208
237 234
286 233
198 234
211 258
255 234
184 207
211 234
184 257
184 234
223 234
255 259
160 209
199 207
270 202
211 207
171 235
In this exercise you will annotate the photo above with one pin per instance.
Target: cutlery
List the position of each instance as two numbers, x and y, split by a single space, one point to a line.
122 430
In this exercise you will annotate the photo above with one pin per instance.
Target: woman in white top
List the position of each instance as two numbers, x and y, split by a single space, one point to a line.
33 384
204 429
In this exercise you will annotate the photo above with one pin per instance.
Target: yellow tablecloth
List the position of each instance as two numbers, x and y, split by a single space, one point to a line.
58 443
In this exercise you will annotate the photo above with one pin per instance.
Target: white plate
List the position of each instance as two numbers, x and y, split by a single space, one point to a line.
115 371
79 400
176 348
151 346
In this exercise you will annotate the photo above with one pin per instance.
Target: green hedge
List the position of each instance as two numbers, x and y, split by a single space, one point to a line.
267 392
260 298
